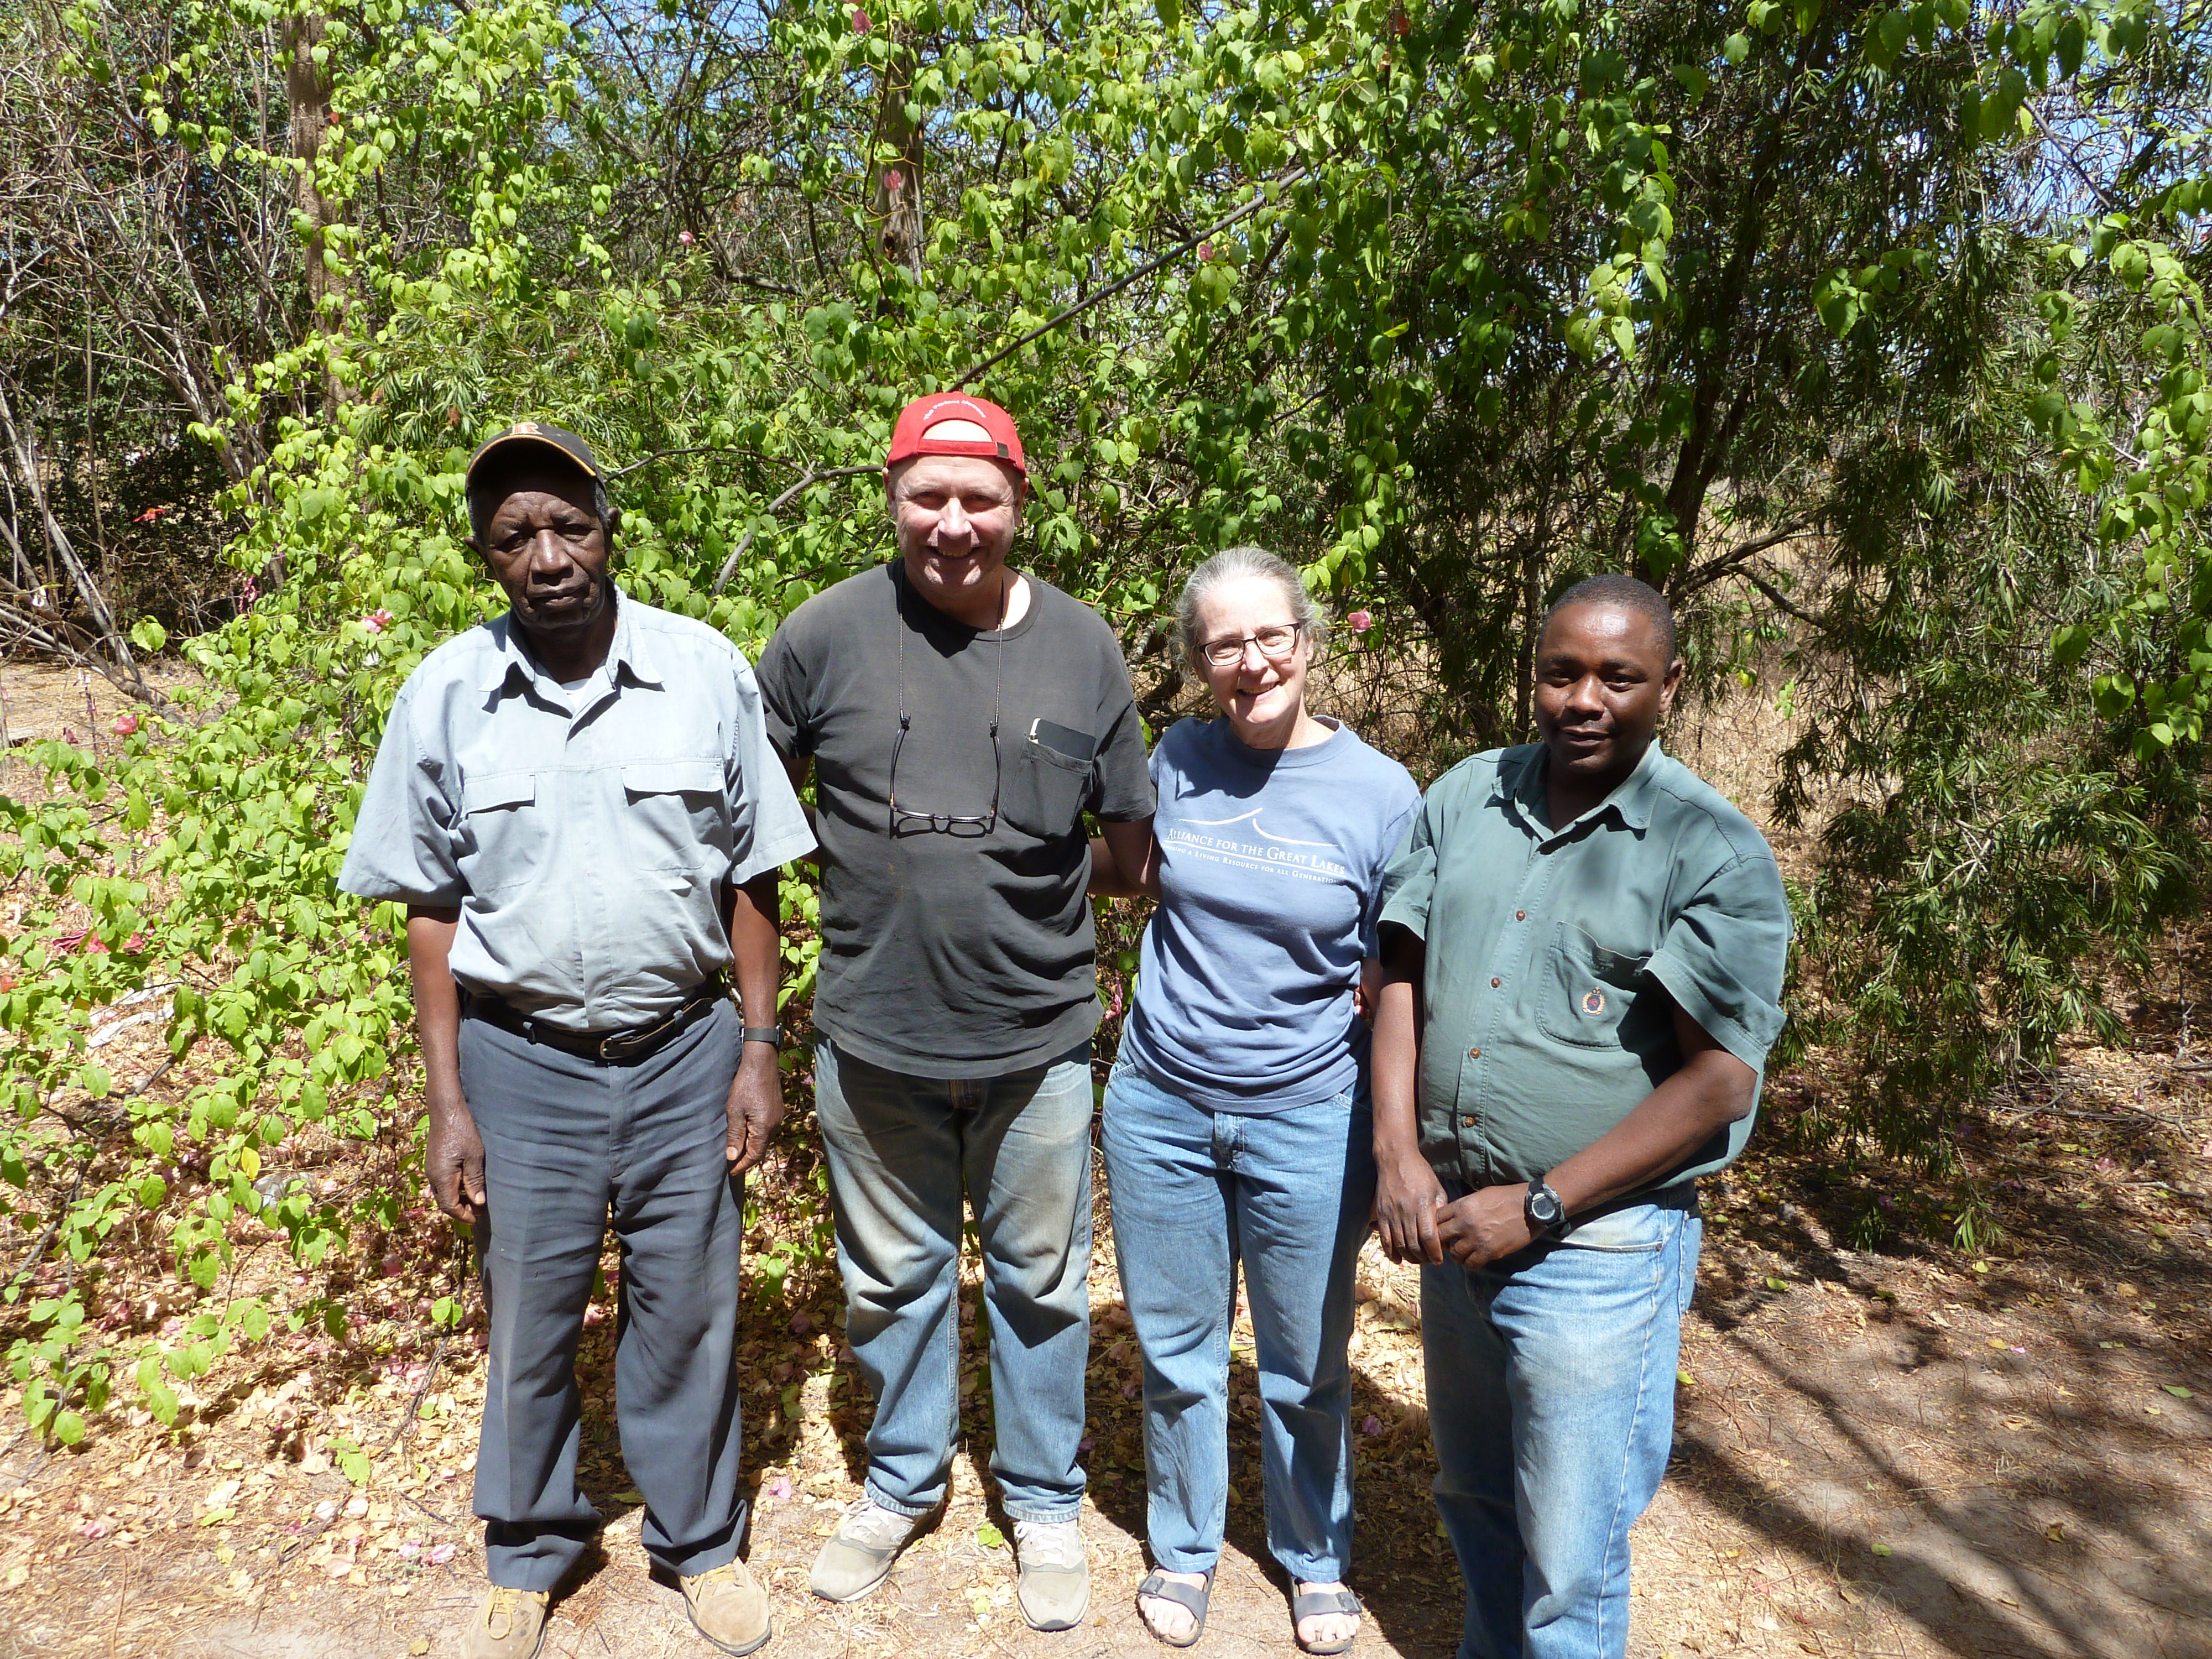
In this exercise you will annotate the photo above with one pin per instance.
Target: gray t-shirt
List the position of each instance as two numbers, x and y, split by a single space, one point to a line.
955 956
1270 882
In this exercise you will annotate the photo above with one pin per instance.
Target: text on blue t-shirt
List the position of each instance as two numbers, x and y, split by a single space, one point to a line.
1271 866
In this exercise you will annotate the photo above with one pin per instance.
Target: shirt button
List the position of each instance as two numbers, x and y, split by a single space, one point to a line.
1496 983
1519 916
1474 1054
1467 1123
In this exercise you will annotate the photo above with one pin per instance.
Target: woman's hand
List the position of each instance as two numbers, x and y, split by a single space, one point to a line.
1367 995
1408 1199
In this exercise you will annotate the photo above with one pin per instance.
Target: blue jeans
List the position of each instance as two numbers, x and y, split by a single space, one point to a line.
1551 1401
900 1150
1289 1194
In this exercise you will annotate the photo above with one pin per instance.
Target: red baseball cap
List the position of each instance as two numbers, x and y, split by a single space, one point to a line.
983 429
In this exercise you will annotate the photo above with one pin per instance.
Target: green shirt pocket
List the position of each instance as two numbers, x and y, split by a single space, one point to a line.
1587 989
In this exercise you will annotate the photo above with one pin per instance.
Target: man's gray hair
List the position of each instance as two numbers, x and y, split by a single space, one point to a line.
1232 564
489 489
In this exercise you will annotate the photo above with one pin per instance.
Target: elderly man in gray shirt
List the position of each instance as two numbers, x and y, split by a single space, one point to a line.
579 805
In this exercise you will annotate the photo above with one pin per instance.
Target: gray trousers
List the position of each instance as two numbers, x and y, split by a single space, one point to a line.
566 1140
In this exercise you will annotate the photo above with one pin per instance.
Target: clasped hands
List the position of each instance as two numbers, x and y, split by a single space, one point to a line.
1417 1223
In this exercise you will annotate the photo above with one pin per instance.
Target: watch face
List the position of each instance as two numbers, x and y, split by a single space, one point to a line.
1543 1208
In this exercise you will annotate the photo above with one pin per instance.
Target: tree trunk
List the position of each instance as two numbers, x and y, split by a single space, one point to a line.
898 182
307 91
23 453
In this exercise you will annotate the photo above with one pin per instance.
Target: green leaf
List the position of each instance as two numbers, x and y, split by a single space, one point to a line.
1736 48
990 1537
2178 1392
69 1428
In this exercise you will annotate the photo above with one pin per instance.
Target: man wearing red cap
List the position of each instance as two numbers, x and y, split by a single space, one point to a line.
961 718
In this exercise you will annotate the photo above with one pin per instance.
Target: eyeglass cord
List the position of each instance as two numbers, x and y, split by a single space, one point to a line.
998 676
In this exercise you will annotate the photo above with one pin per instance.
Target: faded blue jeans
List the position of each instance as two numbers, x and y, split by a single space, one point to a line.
901 1150
1552 1402
1289 1194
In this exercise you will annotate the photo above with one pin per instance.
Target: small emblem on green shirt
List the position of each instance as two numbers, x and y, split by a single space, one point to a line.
1592 1001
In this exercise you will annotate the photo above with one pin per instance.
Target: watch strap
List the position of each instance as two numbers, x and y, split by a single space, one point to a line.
771 1035
1541 1199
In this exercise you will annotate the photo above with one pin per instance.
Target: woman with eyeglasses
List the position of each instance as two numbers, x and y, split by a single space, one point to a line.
1237 1127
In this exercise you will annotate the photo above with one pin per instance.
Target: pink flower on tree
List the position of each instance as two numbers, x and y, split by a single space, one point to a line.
377 621
1206 252
125 723
684 237
860 23
894 180
1360 621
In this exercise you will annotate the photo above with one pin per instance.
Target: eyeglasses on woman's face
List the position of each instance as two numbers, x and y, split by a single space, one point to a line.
1275 644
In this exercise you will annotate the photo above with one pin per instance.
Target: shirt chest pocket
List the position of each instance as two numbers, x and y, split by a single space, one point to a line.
1045 786
507 828
1587 990
675 816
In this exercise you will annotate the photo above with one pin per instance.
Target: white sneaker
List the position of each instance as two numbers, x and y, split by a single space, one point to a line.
1055 1588
858 1555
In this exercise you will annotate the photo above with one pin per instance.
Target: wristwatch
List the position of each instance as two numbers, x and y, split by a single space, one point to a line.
771 1035
1547 1216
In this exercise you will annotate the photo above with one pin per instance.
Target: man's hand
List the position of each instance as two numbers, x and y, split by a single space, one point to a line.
1489 1223
1409 1202
454 1161
755 1108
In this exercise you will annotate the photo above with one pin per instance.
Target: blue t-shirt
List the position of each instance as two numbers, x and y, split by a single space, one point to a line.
1271 878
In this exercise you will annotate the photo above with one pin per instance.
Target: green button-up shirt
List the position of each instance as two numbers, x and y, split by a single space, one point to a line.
1547 951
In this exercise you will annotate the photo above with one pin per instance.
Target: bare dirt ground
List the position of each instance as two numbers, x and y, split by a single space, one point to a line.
1910 1452
1907 1449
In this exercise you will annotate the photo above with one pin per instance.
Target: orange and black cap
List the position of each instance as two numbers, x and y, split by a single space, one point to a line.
524 435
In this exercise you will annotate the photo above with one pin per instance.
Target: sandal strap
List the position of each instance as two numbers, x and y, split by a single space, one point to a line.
1192 1598
1315 1604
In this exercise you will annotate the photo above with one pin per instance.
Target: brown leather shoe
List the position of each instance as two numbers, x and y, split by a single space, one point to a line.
511 1626
727 1607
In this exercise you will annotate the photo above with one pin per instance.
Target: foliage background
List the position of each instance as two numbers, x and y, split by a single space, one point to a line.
1875 333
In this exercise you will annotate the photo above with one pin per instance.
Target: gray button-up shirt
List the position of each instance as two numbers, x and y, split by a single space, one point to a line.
588 838
1552 955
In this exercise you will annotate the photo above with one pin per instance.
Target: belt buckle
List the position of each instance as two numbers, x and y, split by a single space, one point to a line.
617 1046
623 1044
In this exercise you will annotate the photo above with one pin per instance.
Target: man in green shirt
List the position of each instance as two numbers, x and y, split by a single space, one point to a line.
1585 945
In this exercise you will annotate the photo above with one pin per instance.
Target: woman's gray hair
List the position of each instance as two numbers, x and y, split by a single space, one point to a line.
1232 564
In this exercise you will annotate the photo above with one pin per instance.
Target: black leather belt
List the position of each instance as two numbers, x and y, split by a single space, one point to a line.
609 1048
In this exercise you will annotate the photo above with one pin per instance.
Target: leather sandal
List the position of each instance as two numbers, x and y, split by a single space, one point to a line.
1193 1598
1316 1604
